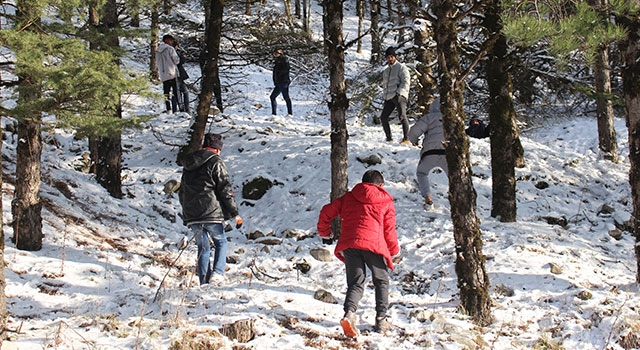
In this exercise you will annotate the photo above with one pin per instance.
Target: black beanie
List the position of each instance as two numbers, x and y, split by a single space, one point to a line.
212 140
390 52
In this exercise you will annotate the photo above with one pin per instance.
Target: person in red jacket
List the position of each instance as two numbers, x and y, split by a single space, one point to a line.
368 238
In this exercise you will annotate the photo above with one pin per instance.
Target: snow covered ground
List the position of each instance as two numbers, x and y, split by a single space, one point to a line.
96 284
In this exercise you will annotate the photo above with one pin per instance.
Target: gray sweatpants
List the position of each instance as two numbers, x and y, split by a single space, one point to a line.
355 261
426 164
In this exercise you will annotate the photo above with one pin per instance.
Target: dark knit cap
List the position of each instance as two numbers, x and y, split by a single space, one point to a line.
390 52
212 140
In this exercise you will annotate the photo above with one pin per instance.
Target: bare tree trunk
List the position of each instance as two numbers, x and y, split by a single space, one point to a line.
339 102
26 206
376 42
287 12
3 281
505 141
360 10
109 163
210 79
247 7
630 49
425 58
473 280
297 8
306 10
153 46
166 6
607 140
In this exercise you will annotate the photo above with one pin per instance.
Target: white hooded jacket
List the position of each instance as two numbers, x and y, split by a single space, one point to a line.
167 60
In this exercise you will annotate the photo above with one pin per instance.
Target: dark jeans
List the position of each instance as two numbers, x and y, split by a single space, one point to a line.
170 101
389 105
184 93
284 89
355 261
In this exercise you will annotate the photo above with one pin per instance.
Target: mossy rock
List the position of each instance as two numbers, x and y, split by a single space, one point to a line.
256 188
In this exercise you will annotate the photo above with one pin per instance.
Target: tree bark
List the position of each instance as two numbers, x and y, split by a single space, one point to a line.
425 58
210 79
473 280
505 141
153 46
376 44
339 102
630 49
3 281
26 206
360 10
109 148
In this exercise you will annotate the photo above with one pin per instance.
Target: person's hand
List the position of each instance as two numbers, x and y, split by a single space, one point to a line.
327 241
238 220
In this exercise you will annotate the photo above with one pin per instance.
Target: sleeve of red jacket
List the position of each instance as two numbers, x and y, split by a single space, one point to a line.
390 233
327 213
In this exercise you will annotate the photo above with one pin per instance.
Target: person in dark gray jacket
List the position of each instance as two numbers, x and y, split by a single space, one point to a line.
207 201
433 147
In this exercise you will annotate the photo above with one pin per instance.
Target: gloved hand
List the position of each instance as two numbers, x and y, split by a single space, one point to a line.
327 241
238 220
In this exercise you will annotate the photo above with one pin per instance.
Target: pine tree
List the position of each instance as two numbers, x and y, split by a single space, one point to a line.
61 80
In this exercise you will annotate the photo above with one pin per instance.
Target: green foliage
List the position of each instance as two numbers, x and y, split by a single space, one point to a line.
527 30
81 88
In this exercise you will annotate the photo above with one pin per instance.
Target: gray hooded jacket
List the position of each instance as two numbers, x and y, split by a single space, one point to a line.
167 60
430 125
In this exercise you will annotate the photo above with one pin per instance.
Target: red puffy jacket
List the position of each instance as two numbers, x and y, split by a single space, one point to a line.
368 219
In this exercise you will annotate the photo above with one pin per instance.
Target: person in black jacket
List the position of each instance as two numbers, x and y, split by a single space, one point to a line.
281 82
207 201
478 129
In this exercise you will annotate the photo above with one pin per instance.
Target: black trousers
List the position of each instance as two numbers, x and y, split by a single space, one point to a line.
355 261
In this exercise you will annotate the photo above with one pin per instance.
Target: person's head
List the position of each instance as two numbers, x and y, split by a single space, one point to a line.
373 177
390 54
475 121
168 39
212 140
278 53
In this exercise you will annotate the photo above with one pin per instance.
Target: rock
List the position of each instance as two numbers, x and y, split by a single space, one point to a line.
370 160
241 330
324 296
552 220
171 186
321 254
255 235
269 241
555 268
256 188
616 234
606 209
504 290
302 266
541 185
584 295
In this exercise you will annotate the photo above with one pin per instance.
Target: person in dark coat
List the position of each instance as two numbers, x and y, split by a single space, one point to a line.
281 82
477 128
183 91
207 201
368 238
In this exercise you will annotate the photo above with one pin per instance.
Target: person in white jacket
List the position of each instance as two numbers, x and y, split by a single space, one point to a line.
167 60
432 154
395 85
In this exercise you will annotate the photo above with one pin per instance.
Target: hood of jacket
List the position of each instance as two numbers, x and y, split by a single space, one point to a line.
162 47
370 193
197 159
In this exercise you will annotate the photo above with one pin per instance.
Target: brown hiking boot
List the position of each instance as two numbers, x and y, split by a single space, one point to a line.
348 323
382 325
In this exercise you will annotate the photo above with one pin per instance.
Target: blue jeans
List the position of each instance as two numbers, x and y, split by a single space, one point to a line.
284 89
205 233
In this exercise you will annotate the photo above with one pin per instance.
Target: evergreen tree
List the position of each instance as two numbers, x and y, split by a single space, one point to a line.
60 83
